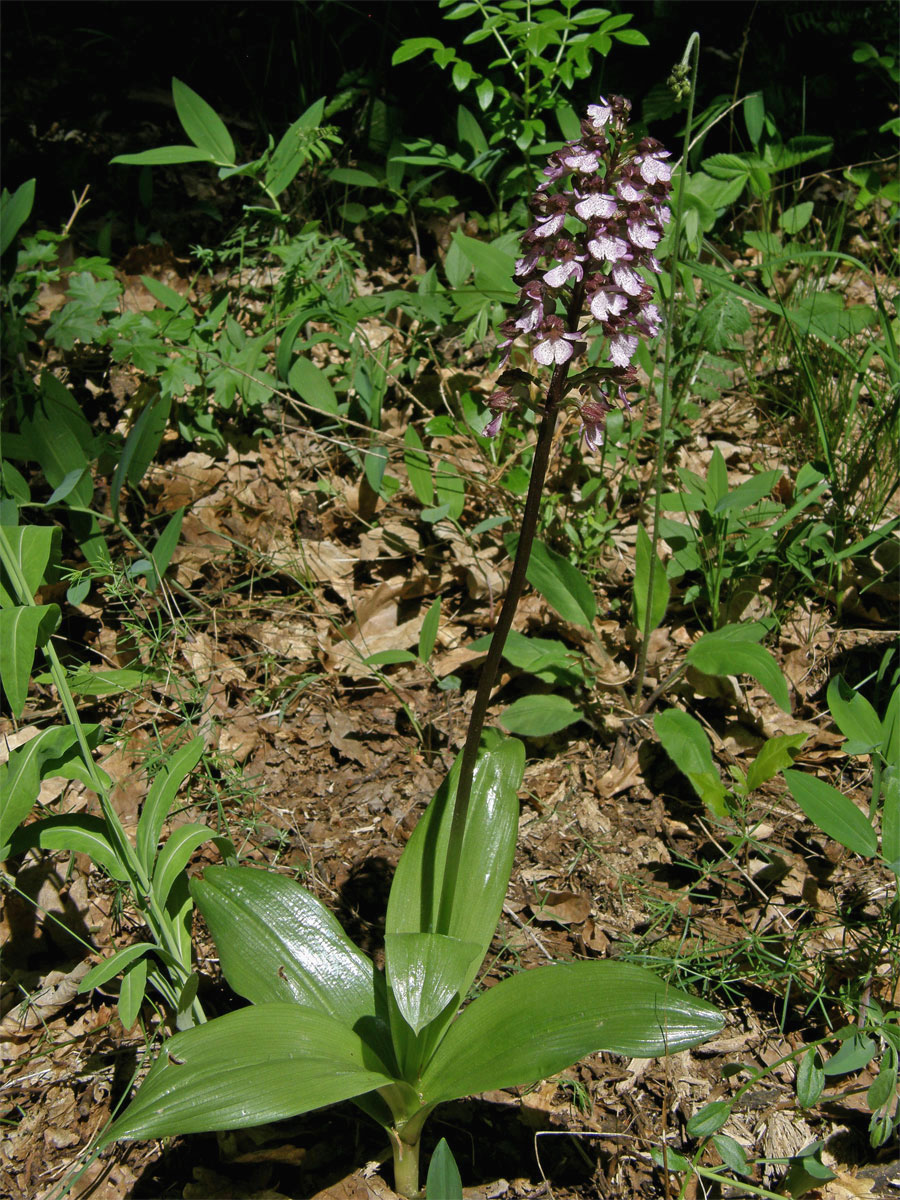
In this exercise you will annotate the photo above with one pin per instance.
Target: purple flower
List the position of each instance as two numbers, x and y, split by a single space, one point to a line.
557 276
581 160
598 216
608 248
622 348
653 170
549 225
596 204
555 347
593 418
629 281
606 304
599 114
642 235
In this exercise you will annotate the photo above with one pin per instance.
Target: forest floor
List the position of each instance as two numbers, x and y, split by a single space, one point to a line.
289 572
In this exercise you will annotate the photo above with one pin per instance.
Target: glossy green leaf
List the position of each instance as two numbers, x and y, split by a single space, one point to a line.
33 549
833 813
161 797
444 1181
165 547
487 854
424 971
202 124
732 650
857 1051
890 817
645 561
77 832
288 157
539 716
418 467
277 942
855 718
561 584
687 745
732 1153
256 1065
22 630
539 1022
450 488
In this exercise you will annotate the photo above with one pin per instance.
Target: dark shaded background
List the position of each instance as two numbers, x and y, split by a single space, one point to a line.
84 81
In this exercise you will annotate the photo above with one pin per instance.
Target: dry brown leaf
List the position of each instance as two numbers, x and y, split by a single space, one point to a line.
562 908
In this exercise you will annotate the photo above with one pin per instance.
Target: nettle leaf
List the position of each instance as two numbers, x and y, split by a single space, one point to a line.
250 1067
537 1023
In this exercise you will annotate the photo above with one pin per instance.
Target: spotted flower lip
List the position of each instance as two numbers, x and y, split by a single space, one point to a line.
599 215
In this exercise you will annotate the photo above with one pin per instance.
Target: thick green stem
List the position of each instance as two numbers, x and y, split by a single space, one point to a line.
666 406
406 1166
555 396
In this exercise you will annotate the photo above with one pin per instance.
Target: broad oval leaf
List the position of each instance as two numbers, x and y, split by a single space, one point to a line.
687 745
260 1064
424 970
14 212
33 549
22 630
202 124
647 561
855 717
487 854
727 652
278 942
539 1022
833 813
53 751
562 585
539 716
111 966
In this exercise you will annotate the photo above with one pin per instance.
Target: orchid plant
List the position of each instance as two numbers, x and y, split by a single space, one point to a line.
325 1024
